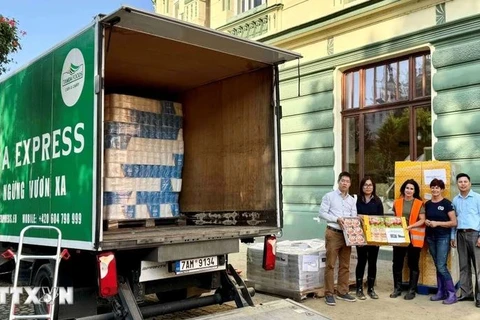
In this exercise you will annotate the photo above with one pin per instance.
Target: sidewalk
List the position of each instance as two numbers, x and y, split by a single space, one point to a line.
384 308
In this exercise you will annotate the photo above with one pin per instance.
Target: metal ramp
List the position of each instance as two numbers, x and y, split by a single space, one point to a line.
274 310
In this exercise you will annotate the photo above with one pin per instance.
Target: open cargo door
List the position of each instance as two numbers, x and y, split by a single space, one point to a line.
209 72
180 31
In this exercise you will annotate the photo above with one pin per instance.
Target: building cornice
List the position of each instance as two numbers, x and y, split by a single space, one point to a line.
469 26
255 24
338 17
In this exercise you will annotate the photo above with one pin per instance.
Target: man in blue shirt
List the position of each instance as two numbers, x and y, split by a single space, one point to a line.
336 205
467 208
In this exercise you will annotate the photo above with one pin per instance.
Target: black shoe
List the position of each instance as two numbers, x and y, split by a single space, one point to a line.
360 295
477 304
410 295
330 300
412 285
346 297
372 294
370 291
395 293
397 285
465 298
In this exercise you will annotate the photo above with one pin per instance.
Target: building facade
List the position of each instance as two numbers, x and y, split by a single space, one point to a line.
380 81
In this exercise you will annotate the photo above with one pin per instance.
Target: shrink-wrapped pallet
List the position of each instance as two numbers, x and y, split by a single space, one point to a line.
299 268
143 158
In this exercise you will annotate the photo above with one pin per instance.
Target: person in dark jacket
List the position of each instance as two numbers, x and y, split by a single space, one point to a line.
368 203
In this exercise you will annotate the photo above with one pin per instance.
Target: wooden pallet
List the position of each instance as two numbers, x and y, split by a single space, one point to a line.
297 296
139 223
294 295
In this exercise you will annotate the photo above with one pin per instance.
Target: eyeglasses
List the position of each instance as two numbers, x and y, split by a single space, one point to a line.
368 185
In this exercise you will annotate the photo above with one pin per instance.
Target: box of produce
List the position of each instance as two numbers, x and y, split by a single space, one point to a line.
353 232
386 231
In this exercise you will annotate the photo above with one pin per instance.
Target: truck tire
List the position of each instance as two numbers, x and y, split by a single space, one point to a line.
44 278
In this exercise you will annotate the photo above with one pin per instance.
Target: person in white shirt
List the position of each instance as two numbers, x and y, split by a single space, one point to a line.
336 205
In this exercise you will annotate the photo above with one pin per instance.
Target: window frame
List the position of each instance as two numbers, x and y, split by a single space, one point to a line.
413 103
251 5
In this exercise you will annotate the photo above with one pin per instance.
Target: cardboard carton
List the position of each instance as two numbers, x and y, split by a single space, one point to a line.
386 231
353 232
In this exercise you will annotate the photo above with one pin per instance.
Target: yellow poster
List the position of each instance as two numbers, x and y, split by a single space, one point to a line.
423 172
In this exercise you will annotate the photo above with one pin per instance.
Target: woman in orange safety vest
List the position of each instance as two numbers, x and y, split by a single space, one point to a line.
410 206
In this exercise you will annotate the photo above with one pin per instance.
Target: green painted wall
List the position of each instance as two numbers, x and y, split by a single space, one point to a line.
307 151
457 105
307 125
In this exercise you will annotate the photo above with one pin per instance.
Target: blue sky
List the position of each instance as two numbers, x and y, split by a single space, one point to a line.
48 22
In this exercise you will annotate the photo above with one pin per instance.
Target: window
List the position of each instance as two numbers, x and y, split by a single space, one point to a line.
226 4
386 114
165 6
245 5
176 8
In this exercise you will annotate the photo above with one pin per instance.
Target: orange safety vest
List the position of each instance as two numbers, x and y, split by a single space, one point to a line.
417 235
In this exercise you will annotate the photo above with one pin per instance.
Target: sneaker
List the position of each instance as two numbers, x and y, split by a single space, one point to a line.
330 300
346 297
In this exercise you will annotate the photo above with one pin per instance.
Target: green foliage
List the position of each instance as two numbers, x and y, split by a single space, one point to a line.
9 41
391 143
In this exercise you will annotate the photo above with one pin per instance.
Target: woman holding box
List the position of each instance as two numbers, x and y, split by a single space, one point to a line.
410 206
440 219
368 203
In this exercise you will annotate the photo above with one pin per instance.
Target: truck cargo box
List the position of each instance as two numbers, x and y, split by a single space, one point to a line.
53 124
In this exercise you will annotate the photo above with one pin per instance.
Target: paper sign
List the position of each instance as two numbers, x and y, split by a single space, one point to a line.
323 259
395 235
310 263
430 174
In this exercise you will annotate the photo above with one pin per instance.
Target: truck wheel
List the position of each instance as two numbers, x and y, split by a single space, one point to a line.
44 278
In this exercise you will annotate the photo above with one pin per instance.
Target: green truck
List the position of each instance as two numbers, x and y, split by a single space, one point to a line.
53 144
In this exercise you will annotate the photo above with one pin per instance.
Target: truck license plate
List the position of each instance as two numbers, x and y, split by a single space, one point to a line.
190 265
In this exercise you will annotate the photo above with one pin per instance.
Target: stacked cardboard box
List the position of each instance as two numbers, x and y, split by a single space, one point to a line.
143 158
386 231
423 172
299 267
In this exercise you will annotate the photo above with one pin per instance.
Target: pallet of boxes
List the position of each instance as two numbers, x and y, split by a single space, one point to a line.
143 159
424 172
299 269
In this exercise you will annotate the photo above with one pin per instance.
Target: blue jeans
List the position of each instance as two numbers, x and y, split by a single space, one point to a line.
439 247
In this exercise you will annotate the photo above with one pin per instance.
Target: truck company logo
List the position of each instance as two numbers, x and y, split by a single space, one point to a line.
73 77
